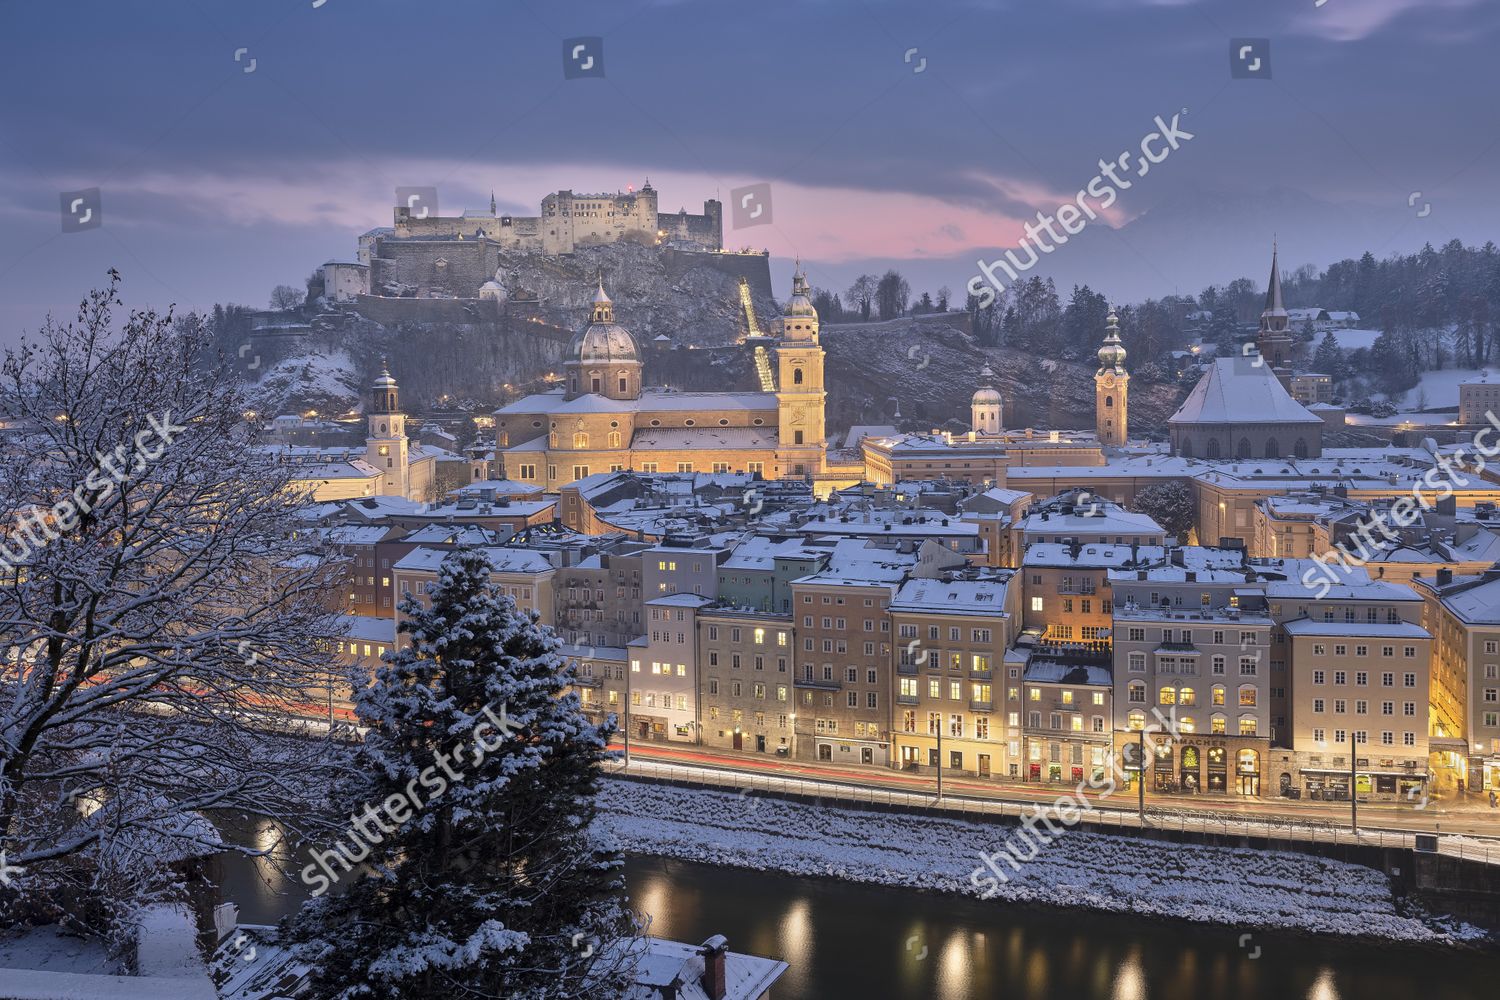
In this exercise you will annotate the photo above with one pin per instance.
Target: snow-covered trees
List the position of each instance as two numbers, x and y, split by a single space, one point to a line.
154 602
1169 504
489 882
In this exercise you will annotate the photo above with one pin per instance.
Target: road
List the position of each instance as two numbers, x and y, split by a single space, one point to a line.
1469 819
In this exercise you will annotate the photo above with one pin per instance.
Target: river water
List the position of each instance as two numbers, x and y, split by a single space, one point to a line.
852 942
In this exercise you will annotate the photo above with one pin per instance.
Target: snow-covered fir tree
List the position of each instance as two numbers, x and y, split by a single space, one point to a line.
1170 504
489 881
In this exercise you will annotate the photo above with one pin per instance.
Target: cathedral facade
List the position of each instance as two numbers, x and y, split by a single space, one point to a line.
604 419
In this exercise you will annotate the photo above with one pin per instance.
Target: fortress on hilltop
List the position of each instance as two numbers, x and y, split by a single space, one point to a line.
457 256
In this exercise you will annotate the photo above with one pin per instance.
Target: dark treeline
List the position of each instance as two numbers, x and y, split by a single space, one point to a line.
1435 308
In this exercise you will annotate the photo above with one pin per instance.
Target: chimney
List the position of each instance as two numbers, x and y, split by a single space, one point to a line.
1444 577
715 981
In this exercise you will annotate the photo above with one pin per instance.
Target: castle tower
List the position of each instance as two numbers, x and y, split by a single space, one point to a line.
986 407
603 357
1274 338
1111 389
800 397
386 447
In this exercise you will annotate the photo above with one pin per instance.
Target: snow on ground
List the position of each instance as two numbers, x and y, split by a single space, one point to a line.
1221 885
1440 385
1350 340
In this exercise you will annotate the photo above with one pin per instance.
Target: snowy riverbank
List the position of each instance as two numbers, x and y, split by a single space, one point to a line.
1220 885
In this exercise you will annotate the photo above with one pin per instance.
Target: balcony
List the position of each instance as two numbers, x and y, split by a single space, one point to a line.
907 699
804 682
987 674
906 669
975 705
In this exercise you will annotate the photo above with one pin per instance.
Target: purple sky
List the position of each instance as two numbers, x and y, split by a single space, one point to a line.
219 183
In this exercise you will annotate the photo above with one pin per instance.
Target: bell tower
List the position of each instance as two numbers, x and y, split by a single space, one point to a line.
801 449
1112 389
386 447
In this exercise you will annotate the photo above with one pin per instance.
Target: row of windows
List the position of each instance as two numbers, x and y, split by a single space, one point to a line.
1362 707
1387 738
1362 677
1171 695
1217 724
955 633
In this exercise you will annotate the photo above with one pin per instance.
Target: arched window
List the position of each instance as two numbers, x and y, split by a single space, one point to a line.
1247 695
1187 696
1168 695
596 382
1273 449
1218 692
1300 448
1109 401
1136 720
1213 448
580 439
1218 724
1136 693
1247 725
614 439
1187 448
1243 451
796 376
1185 724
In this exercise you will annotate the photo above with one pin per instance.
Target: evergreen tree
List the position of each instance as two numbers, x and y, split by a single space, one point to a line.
1170 504
1329 357
486 883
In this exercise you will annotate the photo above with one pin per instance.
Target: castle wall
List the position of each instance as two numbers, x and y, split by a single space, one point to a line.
433 268
753 267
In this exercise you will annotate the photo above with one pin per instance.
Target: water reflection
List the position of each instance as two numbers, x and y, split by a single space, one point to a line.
1324 988
845 941
1130 978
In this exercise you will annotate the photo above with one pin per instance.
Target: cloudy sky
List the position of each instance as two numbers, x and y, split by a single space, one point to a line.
218 183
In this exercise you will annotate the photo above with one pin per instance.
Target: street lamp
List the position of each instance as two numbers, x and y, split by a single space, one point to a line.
940 757
629 669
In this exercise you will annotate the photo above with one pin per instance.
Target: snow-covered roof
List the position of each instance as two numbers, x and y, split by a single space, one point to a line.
956 597
502 559
1237 390
1101 518
366 628
1041 670
704 438
650 401
1473 599
1370 630
672 968
1093 555
759 552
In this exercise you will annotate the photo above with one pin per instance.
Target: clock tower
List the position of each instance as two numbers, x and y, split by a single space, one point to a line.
386 447
1111 389
800 448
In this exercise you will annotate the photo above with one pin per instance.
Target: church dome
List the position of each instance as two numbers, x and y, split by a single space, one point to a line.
800 303
1112 352
605 344
603 341
384 380
986 394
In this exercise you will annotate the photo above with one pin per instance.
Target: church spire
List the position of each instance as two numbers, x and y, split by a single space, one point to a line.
1274 304
492 201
